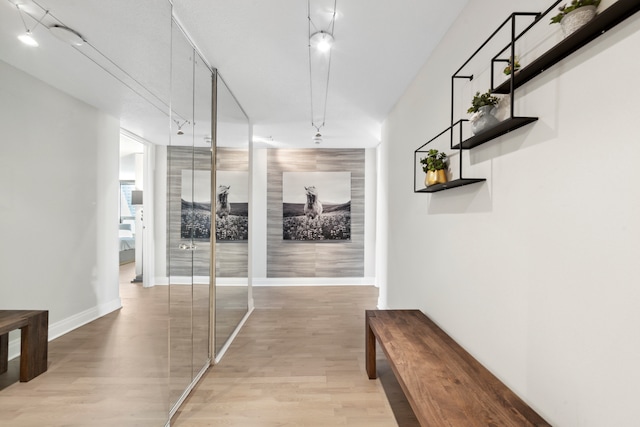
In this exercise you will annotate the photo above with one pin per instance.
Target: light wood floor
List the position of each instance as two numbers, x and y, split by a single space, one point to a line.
110 372
298 361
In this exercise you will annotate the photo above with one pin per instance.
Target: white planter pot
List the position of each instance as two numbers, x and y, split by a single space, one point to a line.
576 19
483 119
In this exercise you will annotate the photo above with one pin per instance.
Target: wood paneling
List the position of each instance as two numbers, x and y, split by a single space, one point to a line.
179 262
231 257
310 259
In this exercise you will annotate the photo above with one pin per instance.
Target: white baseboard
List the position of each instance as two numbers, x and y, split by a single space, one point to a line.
67 325
271 281
202 280
314 281
232 281
161 281
180 280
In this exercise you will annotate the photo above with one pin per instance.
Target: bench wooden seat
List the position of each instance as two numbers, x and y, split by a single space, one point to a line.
34 327
443 383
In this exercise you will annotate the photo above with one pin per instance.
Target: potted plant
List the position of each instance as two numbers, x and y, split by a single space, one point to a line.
483 107
511 66
434 165
575 15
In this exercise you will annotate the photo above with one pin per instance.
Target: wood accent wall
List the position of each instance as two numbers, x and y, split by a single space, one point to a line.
308 259
231 257
179 261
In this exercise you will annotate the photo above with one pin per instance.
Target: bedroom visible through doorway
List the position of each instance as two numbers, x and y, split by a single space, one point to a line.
130 214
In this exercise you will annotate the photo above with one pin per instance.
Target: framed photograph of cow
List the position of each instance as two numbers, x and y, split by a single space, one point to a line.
316 206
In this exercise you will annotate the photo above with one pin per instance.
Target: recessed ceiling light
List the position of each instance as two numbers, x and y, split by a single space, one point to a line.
67 35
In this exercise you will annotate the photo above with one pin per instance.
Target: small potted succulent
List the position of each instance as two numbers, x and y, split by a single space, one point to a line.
483 109
512 66
434 165
575 15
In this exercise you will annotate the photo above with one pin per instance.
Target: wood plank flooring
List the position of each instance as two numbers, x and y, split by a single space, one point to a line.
110 372
299 361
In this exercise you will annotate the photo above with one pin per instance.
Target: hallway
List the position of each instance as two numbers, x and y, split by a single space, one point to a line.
299 361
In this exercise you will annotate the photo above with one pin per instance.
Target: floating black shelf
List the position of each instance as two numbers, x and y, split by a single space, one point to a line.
604 21
501 128
449 185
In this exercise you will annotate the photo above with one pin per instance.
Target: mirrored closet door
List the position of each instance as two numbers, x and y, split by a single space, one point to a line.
189 166
232 222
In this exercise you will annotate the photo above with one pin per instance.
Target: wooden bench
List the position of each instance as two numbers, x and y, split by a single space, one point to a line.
34 327
444 384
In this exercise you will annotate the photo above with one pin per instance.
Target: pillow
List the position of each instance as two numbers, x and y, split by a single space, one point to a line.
125 227
125 233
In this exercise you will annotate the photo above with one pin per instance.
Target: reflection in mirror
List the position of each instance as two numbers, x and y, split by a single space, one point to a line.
189 164
180 251
202 130
63 114
232 211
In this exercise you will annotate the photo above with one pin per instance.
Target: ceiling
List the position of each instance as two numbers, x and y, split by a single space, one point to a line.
259 47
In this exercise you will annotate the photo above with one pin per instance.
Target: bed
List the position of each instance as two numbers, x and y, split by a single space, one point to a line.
127 244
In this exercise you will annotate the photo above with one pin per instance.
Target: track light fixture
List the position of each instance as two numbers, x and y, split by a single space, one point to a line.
322 41
67 35
180 131
320 44
27 37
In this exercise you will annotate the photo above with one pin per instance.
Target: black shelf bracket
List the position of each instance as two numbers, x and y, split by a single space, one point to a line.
461 181
603 22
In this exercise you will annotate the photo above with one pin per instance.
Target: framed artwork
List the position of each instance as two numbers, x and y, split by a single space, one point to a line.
231 208
316 206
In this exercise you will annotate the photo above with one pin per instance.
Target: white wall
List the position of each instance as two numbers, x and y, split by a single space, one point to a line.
535 271
258 213
158 239
59 204
370 189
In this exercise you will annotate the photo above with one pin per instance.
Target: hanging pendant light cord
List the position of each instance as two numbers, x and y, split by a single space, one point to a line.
326 92
46 12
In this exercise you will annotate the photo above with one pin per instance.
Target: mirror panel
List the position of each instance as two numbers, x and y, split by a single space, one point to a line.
189 164
141 69
232 210
180 243
122 78
201 235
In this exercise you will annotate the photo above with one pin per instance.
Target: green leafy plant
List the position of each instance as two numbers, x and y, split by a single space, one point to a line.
482 100
434 161
515 64
575 4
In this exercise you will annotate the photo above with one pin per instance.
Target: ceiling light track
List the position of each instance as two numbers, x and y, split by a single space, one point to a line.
116 72
27 38
322 40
